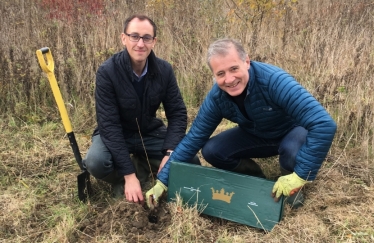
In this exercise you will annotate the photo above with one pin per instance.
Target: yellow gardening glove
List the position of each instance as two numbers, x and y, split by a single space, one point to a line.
154 194
287 185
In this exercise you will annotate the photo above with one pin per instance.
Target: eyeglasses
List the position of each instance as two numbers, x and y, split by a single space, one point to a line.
146 38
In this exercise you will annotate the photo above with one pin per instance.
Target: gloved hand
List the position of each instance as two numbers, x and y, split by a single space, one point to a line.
154 194
287 185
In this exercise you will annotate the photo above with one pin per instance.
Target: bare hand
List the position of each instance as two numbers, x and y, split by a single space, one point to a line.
163 162
133 190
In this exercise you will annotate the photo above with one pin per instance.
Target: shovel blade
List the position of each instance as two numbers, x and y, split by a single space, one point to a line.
84 185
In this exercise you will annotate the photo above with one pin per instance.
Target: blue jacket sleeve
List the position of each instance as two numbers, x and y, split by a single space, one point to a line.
207 119
298 103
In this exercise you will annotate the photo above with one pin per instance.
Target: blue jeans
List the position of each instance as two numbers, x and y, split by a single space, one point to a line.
225 150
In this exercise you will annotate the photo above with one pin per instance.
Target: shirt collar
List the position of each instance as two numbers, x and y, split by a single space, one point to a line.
144 70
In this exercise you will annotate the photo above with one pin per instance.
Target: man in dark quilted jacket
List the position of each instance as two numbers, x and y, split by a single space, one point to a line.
275 116
130 141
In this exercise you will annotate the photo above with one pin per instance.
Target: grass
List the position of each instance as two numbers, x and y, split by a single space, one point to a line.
39 201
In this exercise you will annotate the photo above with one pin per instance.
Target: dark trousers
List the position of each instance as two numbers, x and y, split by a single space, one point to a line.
225 150
99 162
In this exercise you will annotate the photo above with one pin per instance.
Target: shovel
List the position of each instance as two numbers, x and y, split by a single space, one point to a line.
84 185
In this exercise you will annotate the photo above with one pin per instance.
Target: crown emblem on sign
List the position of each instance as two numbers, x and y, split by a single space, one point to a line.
221 195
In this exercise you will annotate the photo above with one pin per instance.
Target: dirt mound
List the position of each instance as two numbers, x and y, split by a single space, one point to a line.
127 222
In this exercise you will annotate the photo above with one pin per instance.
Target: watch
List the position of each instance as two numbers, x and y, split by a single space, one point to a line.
168 153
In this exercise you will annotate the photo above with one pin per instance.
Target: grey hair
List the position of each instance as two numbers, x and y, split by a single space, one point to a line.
220 48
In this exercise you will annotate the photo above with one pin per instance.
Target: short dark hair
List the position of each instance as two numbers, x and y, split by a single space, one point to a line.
141 17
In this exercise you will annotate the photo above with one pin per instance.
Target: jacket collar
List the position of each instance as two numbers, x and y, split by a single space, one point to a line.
125 62
251 81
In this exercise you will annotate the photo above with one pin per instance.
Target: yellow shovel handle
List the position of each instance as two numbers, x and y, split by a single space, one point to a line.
48 68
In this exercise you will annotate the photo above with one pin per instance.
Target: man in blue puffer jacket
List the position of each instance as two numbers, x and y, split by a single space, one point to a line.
275 116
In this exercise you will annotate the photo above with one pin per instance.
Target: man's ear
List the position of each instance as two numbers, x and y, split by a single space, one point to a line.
123 39
154 42
248 61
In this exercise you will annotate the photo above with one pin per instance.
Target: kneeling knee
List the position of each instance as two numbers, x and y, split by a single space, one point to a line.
97 168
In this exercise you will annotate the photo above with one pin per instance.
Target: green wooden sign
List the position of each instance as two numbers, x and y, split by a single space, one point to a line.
232 196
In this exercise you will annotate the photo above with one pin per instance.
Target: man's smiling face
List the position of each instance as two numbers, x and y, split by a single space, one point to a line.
230 72
138 51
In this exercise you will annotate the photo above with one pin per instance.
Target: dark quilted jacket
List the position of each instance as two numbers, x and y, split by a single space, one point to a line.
275 103
119 110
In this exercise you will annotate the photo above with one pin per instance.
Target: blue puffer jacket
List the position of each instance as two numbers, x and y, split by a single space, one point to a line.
276 103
